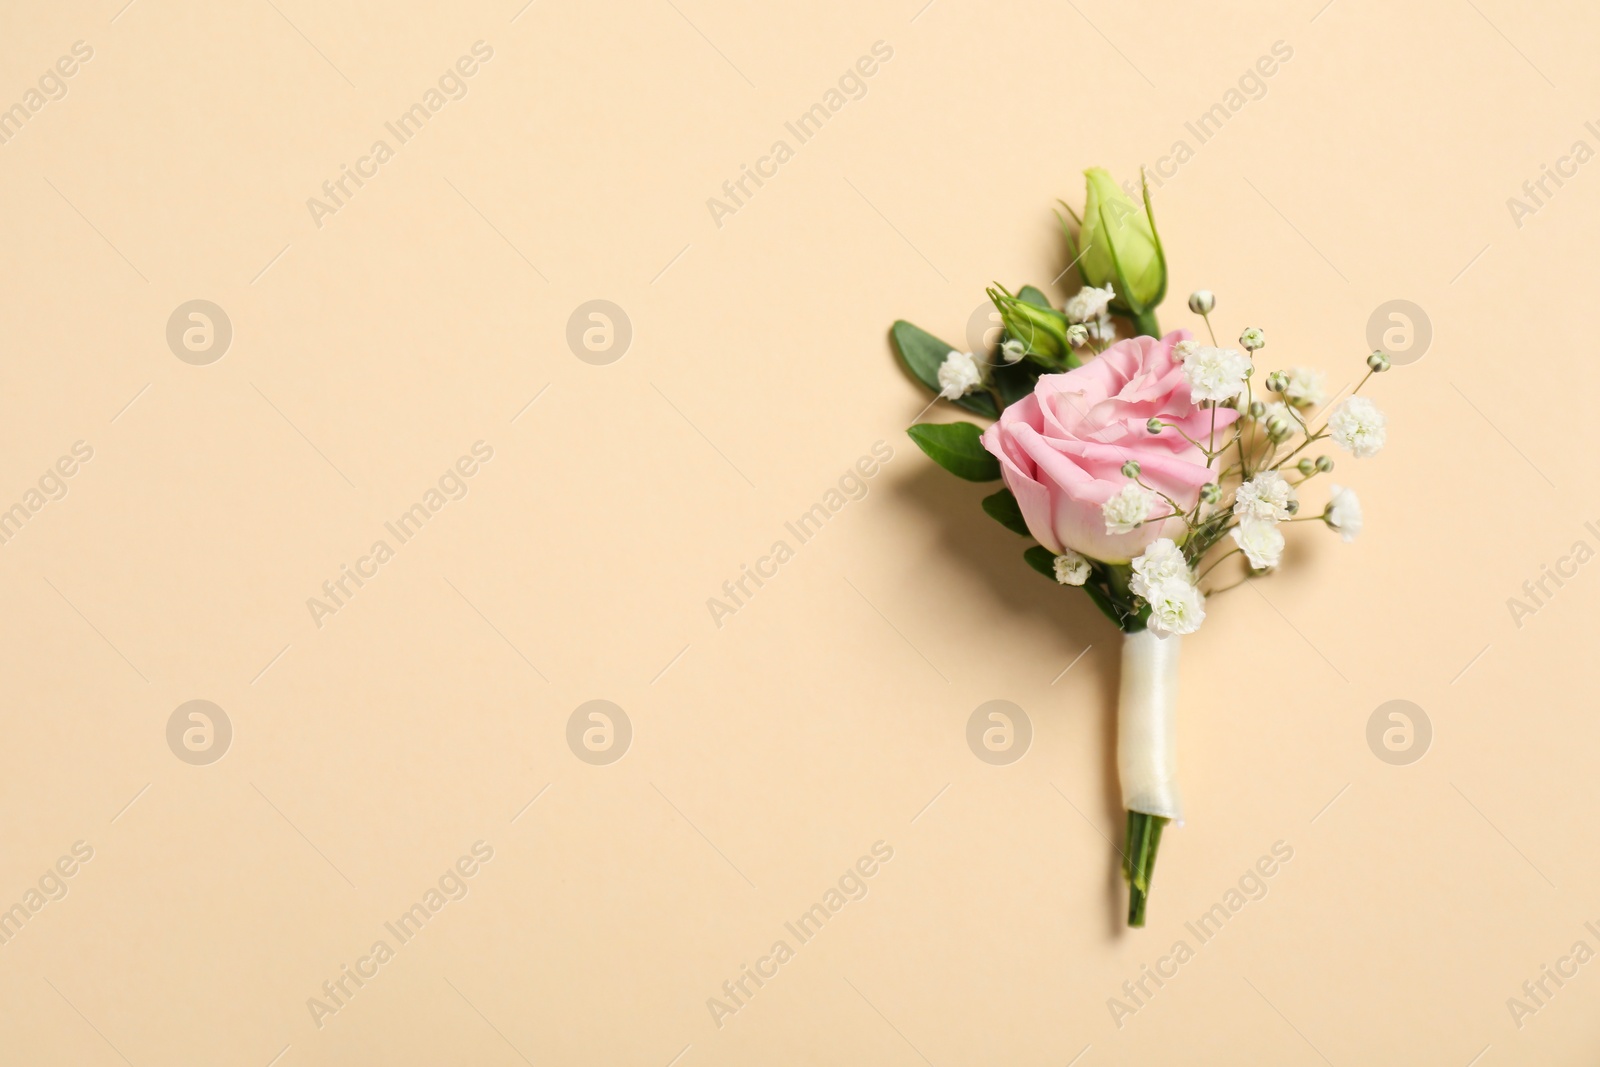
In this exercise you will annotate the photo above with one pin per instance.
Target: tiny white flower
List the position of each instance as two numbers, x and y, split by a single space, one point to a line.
1102 329
1261 541
1161 562
1344 513
1128 508
1013 350
959 374
1071 568
1176 607
1077 334
1215 373
1359 427
1253 338
1267 496
1277 408
1089 303
1303 387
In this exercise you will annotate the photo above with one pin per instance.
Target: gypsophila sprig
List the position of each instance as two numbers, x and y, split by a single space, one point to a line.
959 375
1128 509
1359 427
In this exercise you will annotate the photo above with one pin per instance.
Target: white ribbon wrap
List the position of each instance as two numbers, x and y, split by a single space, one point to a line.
1147 705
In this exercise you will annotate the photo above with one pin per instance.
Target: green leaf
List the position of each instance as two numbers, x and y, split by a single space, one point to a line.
1029 294
923 354
1015 381
1003 508
1042 560
955 447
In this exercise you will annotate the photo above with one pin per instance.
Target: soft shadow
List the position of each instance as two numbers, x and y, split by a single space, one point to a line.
971 540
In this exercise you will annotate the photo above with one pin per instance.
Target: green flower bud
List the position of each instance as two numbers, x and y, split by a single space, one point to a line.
1154 425
1130 469
1277 427
1292 506
1324 464
1306 466
1120 246
1276 381
1202 302
1378 362
1257 409
1253 339
1211 492
1041 331
1077 334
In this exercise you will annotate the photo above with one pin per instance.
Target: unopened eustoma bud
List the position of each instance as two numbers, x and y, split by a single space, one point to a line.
1252 339
1130 469
1378 362
1324 464
1202 302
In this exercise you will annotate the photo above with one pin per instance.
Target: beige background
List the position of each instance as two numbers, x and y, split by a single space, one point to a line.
830 713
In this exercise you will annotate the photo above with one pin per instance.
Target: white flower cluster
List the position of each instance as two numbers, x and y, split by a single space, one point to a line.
959 375
1260 504
1213 373
1359 427
1072 568
1162 577
1090 308
1128 509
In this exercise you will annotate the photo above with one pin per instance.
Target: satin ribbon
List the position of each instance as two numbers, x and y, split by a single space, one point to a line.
1147 705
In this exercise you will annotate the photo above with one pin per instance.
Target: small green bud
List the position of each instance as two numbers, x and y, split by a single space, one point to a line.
1041 331
1077 334
1154 425
1292 506
1307 466
1211 492
1276 381
1202 301
1119 244
1277 427
1324 464
1130 469
1378 362
1257 409
1253 339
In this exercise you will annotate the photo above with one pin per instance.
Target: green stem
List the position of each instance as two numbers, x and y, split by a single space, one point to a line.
1139 860
1145 324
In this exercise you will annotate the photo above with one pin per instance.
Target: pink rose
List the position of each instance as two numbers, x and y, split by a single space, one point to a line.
1061 450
